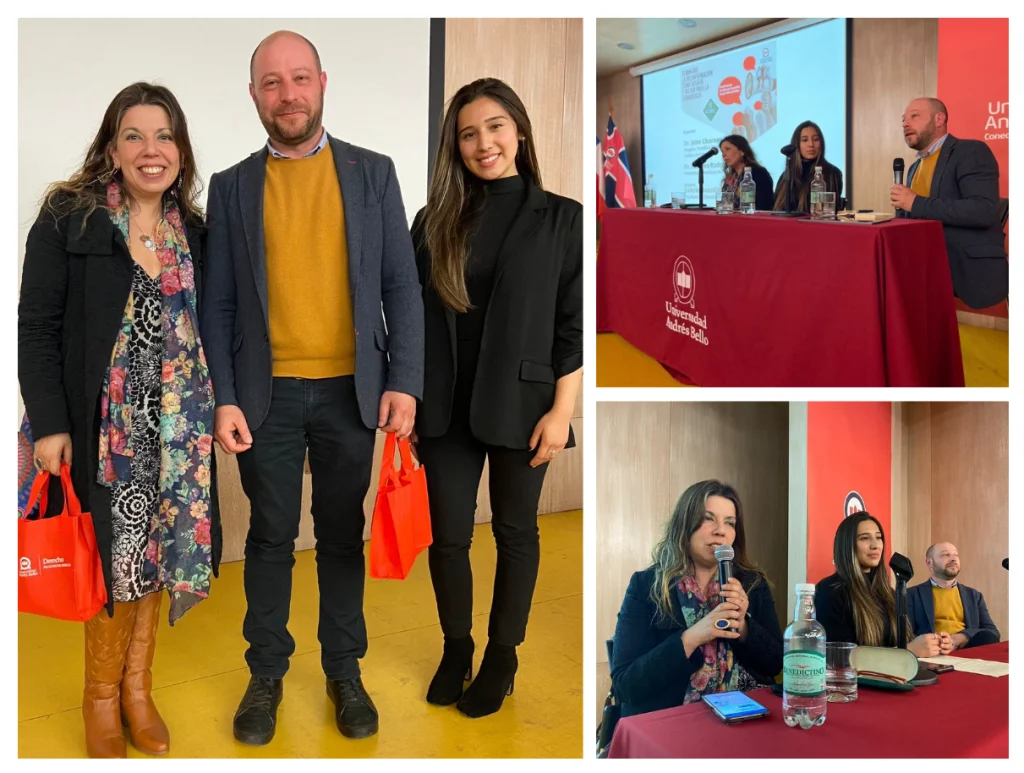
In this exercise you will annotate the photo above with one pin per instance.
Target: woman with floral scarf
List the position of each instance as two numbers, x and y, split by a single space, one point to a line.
680 635
115 384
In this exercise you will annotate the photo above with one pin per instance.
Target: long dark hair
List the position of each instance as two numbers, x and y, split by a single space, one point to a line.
796 188
743 146
87 188
671 556
456 197
869 592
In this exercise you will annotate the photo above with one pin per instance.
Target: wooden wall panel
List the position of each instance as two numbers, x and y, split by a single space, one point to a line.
624 91
958 491
894 61
648 453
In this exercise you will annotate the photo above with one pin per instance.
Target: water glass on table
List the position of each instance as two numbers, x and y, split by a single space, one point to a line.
678 200
724 202
840 675
828 205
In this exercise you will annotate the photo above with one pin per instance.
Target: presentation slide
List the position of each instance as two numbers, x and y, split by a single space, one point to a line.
760 90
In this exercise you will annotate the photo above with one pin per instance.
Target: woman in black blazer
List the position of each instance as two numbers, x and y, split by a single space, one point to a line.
500 262
115 385
674 641
738 156
793 193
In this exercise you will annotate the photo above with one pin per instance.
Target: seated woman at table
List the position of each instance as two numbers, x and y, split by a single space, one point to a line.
857 604
793 193
674 639
738 156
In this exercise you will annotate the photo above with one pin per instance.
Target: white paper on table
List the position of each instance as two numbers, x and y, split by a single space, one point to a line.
971 665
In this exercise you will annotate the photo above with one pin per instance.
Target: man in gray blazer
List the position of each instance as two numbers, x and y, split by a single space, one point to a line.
313 330
956 182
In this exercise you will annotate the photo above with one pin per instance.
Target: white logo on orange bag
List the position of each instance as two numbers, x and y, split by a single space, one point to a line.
25 567
55 563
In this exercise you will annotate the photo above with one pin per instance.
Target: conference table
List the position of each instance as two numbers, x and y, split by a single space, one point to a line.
764 300
962 715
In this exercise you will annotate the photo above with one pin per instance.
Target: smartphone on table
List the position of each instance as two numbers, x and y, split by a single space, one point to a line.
735 706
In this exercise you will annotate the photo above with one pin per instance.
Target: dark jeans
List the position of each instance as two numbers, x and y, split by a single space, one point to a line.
454 463
323 416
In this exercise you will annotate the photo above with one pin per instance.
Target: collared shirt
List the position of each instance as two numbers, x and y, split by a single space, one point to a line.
933 148
932 579
319 146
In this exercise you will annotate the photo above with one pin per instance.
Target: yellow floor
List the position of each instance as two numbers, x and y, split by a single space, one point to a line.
200 674
985 354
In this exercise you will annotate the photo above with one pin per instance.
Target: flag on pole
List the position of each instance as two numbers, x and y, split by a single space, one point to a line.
618 183
600 173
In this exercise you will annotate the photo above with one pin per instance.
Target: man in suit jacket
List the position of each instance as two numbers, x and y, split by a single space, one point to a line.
308 242
942 605
956 182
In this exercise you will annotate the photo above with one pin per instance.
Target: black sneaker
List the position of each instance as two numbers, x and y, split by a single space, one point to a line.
353 710
256 718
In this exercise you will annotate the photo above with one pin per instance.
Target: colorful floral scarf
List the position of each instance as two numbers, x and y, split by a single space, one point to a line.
179 554
719 672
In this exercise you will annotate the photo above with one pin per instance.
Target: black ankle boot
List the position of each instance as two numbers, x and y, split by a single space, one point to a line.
493 682
256 719
456 668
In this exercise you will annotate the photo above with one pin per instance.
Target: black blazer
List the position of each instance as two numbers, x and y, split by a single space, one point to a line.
921 610
381 271
74 288
533 329
764 192
650 670
834 610
965 198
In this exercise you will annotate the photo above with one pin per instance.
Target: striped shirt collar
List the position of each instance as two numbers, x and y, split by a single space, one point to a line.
933 148
935 584
319 146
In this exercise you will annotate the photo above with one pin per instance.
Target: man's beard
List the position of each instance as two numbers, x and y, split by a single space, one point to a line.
946 574
297 134
925 138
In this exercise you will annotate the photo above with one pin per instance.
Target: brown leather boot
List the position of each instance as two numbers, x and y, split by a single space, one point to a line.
146 729
106 642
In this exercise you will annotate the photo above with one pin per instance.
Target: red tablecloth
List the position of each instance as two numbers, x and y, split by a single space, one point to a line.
759 300
963 715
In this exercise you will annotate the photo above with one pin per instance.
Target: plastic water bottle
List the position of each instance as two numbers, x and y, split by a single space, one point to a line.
817 188
650 195
803 665
748 193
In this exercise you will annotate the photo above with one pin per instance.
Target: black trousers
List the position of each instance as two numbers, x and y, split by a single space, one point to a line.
454 463
322 416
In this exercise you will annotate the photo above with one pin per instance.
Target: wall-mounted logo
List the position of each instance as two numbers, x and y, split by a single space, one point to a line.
854 504
683 281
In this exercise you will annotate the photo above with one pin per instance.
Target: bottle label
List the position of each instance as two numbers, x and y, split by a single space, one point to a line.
747 197
803 673
815 197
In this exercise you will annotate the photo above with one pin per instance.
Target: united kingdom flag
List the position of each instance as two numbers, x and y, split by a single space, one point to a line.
618 183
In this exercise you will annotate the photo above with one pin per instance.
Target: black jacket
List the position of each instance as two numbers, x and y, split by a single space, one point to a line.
833 608
650 670
533 329
74 288
764 190
921 610
964 197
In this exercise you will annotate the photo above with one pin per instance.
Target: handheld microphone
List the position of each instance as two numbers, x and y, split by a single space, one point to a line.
700 161
897 171
724 554
1006 564
787 150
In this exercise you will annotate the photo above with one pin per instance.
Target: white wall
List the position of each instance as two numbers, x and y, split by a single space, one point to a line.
377 91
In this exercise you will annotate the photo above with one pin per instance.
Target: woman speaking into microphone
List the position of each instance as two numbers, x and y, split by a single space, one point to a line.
682 635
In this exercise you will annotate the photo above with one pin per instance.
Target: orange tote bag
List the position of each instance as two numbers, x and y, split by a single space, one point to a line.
401 516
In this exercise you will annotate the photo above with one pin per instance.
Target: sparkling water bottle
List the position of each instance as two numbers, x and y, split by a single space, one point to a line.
803 664
748 193
817 188
650 195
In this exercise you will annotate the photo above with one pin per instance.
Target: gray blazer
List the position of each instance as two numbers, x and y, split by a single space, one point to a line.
965 198
382 278
921 610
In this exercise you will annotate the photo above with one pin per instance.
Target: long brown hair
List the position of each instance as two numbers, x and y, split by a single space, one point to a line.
671 556
455 198
87 188
868 592
795 187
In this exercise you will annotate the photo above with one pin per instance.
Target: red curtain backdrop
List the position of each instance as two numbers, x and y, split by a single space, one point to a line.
974 82
849 448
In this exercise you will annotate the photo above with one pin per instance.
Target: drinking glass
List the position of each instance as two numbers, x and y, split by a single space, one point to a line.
840 675
724 202
828 206
678 200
